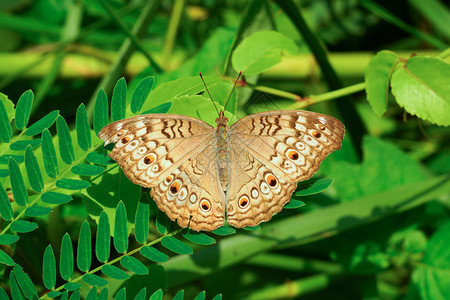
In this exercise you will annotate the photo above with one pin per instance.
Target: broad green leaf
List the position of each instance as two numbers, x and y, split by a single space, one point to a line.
66 258
313 186
157 295
153 254
134 265
54 294
92 294
22 145
217 297
160 109
179 295
198 238
65 141
55 198
23 109
99 159
25 283
253 228
422 88
5 158
8 239
84 248
162 222
72 184
4 173
142 220
102 242
5 125
95 280
260 51
83 129
224 230
201 296
5 206
3 294
49 268
17 183
6 259
118 100
140 94
16 293
87 170
377 76
121 294
294 204
36 211
141 295
72 286
114 272
23 226
120 229
100 111
103 295
33 171
43 123
176 245
49 155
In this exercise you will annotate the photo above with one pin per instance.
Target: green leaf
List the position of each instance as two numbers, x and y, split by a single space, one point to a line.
72 286
33 171
25 283
422 88
103 295
176 245
16 293
23 109
102 242
294 204
54 294
6 259
118 101
83 129
5 206
8 239
55 198
153 254
43 123
141 295
120 229
17 183
121 294
95 280
217 297
377 76
162 222
3 294
99 159
49 268
134 265
5 158
100 111
22 145
72 184
49 155
142 220
87 170
92 294
114 272
201 296
23 226
253 228
66 258
260 51
157 295
84 248
224 230
179 295
313 186
65 141
36 211
5 125
140 94
198 238
160 109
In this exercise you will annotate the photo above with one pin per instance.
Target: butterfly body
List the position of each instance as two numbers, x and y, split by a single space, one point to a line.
246 171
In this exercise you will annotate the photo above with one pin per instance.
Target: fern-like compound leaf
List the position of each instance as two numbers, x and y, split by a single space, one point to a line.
66 258
84 257
120 229
65 141
23 109
49 268
17 183
33 171
102 243
140 94
118 100
83 129
100 111
49 155
43 123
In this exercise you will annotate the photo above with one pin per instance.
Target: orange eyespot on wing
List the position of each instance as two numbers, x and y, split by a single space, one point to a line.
205 205
292 154
316 134
243 202
271 180
149 159
175 187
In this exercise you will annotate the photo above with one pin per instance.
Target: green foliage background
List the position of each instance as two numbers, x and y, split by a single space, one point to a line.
376 221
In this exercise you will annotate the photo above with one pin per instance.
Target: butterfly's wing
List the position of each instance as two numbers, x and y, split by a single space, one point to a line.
172 155
285 147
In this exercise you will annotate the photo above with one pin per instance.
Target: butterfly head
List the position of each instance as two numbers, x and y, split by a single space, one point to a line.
222 120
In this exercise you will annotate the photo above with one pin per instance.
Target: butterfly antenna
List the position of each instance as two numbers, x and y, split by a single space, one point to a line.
201 76
235 82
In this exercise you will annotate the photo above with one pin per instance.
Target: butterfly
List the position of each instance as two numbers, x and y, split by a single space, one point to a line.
199 173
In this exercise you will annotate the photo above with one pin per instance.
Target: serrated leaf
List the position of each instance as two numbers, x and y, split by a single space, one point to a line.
179 295
377 77
198 238
313 186
55 198
72 184
93 279
141 295
176 245
6 259
84 248
66 258
83 129
5 125
8 239
5 206
49 155
25 283
17 183
134 265
23 109
201 296
23 226
49 268
22 145
36 211
72 286
153 254
224 230
121 294
294 204
157 295
64 141
99 159
422 88
114 272
43 123
120 229
16 293
140 94
118 100
33 171
87 170
142 220
100 111
102 242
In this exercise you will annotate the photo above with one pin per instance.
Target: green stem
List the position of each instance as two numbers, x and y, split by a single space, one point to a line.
171 35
